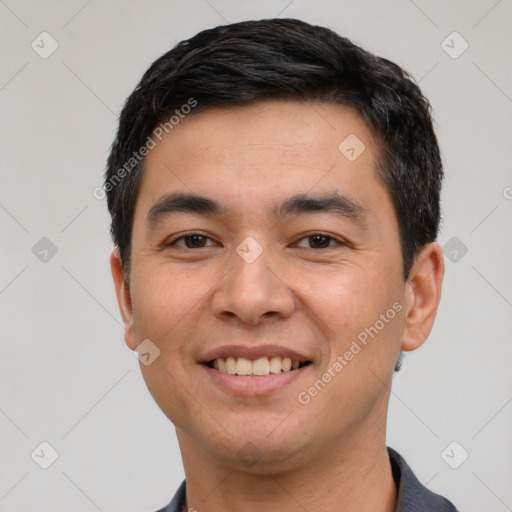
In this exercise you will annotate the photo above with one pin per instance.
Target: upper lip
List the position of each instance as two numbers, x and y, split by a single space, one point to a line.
253 353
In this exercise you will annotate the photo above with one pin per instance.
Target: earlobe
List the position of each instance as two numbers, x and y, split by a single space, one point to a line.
422 295
124 299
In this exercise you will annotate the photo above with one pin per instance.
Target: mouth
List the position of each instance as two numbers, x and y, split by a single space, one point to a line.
259 367
261 370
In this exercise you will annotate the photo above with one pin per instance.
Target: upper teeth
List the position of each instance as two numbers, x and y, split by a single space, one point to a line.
261 366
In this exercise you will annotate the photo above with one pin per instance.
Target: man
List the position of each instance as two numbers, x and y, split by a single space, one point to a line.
274 193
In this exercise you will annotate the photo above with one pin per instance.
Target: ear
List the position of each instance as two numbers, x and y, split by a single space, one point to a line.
124 299
423 293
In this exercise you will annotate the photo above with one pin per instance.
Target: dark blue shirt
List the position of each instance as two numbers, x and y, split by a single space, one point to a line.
412 496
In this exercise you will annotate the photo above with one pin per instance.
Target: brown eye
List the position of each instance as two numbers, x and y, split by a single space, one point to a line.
318 241
194 241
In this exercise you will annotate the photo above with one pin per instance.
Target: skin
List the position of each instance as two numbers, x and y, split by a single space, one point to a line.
329 454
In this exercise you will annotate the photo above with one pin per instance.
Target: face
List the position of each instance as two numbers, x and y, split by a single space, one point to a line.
261 240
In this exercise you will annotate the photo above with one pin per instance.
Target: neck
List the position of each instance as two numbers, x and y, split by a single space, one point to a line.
346 479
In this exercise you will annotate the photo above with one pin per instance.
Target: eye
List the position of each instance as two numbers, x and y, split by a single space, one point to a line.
192 241
318 241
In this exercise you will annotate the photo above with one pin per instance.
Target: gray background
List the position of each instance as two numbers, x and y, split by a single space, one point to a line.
66 376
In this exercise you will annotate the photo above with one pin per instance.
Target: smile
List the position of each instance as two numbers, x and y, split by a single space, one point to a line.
259 367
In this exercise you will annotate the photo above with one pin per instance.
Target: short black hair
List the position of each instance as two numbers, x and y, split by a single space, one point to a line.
242 63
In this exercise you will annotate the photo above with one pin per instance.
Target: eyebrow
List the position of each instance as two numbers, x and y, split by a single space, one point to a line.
183 202
334 202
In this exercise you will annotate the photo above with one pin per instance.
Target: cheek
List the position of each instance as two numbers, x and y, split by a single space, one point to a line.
357 305
166 305
348 300
163 297
365 316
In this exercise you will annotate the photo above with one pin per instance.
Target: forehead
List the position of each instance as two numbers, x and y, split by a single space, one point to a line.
267 150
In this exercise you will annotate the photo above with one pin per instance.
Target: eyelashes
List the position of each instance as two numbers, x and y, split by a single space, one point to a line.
315 241
320 239
196 238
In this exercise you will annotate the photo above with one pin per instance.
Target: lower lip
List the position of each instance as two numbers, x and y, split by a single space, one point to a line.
249 385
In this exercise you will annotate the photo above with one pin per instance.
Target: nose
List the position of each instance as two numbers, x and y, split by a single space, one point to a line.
253 291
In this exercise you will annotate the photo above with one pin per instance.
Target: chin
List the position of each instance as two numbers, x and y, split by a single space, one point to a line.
262 448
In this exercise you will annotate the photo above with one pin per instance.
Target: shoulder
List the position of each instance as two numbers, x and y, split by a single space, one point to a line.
178 501
412 495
